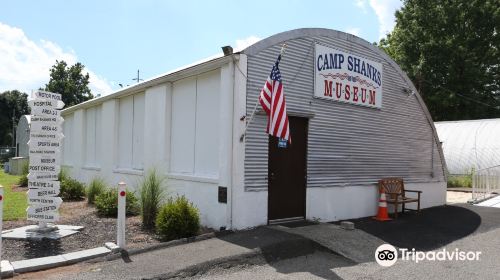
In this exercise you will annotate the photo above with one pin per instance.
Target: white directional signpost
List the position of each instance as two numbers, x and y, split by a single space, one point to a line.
45 159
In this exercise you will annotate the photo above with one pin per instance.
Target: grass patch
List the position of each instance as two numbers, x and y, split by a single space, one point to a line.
460 181
15 203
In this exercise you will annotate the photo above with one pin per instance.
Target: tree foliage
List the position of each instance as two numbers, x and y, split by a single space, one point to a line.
70 82
450 50
12 103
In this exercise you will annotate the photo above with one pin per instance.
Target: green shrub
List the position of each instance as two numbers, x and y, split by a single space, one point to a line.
107 203
95 188
63 175
460 181
151 193
71 189
178 218
23 180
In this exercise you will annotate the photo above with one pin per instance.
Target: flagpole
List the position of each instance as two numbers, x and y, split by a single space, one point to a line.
282 52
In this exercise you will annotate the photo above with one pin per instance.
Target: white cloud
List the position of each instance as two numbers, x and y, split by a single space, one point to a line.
385 9
25 64
243 43
361 4
353 30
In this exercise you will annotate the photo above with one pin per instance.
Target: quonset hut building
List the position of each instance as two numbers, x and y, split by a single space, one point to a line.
355 117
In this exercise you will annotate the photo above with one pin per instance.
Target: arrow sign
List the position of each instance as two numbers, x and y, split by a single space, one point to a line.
45 103
45 167
43 185
38 193
50 96
43 176
46 201
45 161
39 136
39 209
44 217
45 112
44 145
47 120
45 153
45 127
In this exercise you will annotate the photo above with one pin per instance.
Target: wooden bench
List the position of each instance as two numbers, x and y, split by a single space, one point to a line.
395 193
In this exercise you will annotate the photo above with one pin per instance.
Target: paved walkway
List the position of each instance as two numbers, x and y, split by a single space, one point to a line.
453 197
355 245
289 250
492 202
264 244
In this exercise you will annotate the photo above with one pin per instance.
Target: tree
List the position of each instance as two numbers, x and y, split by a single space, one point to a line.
70 82
450 50
12 104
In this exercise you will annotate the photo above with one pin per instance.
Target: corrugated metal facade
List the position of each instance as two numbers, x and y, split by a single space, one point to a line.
347 144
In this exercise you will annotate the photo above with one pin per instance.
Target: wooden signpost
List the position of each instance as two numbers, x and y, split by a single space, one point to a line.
45 159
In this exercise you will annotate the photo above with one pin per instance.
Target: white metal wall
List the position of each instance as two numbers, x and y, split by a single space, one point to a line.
173 127
195 125
68 140
348 145
131 132
93 136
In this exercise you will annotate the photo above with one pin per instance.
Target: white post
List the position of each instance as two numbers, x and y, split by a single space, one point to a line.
120 229
1 221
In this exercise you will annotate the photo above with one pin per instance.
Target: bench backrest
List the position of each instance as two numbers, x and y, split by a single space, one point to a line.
392 185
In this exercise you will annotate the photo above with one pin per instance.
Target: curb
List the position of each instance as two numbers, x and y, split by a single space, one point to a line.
474 202
254 257
462 190
110 252
31 265
257 256
130 252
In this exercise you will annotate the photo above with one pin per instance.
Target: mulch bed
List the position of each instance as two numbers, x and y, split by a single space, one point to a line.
97 231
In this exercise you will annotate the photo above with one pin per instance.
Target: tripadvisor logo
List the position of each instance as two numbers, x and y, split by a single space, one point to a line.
387 255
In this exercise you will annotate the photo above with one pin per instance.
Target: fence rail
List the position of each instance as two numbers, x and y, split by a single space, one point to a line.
485 183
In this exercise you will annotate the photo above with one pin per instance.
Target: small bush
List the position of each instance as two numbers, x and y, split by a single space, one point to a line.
151 196
63 175
26 168
95 188
72 190
23 180
178 218
107 203
460 181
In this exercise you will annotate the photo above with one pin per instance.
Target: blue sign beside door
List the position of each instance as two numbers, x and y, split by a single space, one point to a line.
282 143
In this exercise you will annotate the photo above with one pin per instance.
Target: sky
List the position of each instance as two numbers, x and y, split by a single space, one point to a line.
114 39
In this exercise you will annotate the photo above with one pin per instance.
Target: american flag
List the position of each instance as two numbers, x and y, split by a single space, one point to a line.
272 100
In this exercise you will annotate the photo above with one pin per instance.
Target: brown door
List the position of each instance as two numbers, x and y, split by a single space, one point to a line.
287 173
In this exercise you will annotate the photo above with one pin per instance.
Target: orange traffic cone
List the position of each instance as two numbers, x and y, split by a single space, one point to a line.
382 214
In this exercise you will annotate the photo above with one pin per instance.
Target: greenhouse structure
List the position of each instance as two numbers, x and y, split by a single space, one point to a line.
470 145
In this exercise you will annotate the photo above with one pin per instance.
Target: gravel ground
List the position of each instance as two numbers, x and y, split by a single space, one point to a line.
96 232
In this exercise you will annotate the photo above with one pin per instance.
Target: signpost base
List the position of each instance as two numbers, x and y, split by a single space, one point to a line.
32 232
43 228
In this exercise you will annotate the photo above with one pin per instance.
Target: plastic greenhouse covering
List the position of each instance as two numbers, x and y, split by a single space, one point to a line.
470 145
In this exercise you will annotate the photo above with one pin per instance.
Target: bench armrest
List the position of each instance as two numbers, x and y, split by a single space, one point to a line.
413 191
396 193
